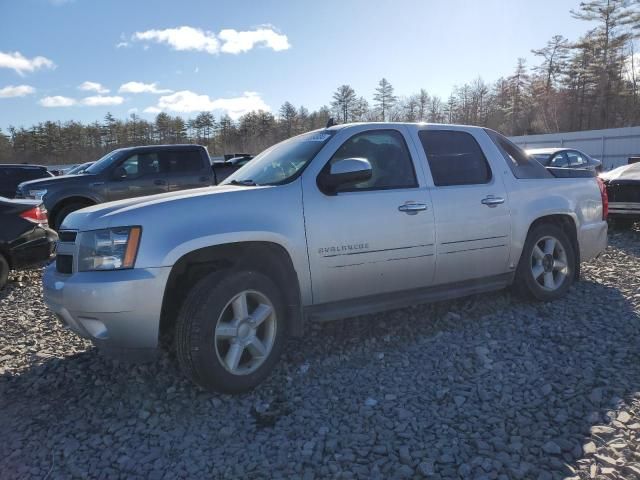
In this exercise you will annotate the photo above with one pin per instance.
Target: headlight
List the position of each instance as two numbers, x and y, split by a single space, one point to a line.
36 194
108 249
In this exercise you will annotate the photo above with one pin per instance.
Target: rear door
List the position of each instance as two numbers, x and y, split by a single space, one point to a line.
470 205
186 169
144 176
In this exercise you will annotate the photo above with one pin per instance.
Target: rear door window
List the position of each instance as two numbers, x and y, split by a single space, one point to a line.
576 159
454 158
188 161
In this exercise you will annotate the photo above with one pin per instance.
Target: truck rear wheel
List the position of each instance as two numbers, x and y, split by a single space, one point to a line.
547 265
230 331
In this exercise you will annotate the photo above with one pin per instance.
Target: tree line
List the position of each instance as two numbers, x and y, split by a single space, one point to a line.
584 84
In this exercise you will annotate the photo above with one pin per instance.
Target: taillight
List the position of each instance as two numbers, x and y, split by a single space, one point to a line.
36 215
605 198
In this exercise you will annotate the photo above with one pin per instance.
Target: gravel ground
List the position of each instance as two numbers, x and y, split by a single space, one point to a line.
487 387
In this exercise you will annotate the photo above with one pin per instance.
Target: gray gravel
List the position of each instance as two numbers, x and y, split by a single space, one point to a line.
488 387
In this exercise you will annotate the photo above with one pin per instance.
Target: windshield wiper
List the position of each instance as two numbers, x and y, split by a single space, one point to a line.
245 183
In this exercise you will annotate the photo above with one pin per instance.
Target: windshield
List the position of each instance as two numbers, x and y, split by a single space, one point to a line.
104 162
78 169
283 162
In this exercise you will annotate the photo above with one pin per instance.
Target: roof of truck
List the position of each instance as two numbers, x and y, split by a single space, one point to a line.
178 146
22 165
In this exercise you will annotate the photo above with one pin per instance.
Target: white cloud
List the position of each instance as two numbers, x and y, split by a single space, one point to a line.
16 91
233 41
186 101
182 38
93 87
132 110
122 44
57 101
21 64
139 87
100 101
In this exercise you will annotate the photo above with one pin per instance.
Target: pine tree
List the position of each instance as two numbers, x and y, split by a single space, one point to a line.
384 98
344 102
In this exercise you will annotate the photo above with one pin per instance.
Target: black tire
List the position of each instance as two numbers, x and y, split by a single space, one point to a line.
623 223
66 210
525 282
197 346
4 271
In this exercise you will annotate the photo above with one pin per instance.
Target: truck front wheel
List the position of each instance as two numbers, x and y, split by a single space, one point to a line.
547 265
231 330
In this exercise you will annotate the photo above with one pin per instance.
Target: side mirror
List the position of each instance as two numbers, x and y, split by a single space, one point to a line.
119 173
344 172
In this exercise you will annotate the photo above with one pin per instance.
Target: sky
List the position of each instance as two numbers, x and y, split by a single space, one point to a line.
79 59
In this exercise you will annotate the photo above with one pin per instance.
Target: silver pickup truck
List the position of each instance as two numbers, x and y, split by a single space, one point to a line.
334 223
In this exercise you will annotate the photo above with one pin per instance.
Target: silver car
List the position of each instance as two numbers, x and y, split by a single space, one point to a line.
565 158
335 223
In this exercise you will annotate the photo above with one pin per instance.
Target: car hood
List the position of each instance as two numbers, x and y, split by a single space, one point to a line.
161 207
42 183
623 173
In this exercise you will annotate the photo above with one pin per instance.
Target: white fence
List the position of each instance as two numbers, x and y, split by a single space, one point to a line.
612 146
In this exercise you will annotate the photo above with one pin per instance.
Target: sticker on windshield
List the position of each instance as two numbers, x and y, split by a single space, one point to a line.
318 137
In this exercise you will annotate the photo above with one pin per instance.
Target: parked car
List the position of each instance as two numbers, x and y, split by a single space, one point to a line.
25 239
78 169
623 188
335 223
225 168
13 175
564 158
123 173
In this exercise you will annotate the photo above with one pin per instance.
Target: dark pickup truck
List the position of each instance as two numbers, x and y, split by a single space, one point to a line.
123 173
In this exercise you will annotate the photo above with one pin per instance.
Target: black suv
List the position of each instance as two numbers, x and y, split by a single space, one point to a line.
123 173
13 175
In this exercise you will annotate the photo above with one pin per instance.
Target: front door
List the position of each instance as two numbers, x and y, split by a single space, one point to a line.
470 205
144 175
364 240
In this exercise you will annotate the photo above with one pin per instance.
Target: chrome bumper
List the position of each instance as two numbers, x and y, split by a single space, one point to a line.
116 309
622 208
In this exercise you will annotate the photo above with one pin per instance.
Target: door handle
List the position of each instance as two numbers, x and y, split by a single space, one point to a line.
159 182
492 201
412 208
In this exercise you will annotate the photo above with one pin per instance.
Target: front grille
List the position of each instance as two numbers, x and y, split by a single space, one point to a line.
64 264
67 236
623 193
